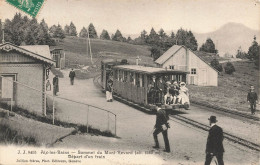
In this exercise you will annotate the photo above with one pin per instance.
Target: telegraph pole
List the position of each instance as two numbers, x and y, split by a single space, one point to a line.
3 30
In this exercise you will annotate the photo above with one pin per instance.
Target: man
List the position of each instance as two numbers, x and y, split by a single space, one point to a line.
109 91
161 90
252 99
72 75
152 91
214 145
55 83
161 125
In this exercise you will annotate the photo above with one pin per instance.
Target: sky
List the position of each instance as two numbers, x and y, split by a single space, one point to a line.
133 16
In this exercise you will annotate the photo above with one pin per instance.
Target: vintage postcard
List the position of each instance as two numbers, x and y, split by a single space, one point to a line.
129 82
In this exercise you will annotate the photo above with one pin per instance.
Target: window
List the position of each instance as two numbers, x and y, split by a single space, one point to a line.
171 67
193 71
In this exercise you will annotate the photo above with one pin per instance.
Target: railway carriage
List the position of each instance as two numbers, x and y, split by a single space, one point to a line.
131 82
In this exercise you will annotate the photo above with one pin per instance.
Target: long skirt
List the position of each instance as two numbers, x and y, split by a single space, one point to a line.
109 95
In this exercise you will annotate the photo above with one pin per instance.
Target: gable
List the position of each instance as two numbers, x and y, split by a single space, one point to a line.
177 55
15 57
11 48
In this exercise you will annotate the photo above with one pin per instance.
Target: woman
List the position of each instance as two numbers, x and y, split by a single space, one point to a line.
184 95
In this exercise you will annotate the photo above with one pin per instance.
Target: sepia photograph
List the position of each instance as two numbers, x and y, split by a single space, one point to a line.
129 82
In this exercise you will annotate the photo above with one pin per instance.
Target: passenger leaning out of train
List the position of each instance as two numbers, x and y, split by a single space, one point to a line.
109 91
161 90
168 97
184 94
152 91
171 96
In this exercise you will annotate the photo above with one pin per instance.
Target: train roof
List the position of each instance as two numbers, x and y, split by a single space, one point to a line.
148 70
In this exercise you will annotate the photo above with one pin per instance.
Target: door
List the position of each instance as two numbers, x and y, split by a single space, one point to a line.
203 77
7 87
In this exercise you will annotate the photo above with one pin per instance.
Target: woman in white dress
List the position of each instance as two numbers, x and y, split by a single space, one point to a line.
184 94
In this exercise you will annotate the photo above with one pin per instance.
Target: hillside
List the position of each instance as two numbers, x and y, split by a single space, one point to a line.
76 51
229 37
232 89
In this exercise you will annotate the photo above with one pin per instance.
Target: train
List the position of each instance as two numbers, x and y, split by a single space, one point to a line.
133 83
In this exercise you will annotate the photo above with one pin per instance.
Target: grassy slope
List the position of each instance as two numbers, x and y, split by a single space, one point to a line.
230 93
232 89
76 49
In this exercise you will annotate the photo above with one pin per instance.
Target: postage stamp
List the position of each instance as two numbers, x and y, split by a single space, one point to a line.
31 7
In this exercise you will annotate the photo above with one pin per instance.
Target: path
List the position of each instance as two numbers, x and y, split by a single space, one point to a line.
134 127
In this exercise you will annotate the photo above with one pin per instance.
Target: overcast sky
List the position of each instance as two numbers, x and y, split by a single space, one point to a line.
132 16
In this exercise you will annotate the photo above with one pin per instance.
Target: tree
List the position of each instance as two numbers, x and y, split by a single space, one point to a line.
187 39
129 40
92 31
153 37
72 30
52 30
241 54
144 36
229 68
104 35
162 34
208 46
215 64
156 52
83 32
118 36
67 30
33 33
253 50
59 33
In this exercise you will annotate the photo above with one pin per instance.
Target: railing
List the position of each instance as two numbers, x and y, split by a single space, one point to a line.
59 108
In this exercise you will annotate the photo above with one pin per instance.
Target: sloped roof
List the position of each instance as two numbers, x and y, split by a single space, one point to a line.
168 54
42 50
146 70
173 50
39 52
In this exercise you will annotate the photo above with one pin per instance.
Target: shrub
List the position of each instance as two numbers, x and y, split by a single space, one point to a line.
229 68
215 64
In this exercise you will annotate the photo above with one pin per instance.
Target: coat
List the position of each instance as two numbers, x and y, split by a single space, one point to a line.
252 97
72 74
215 140
55 83
161 119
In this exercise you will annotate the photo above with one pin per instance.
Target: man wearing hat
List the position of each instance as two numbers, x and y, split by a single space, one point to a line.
55 82
162 125
252 99
214 145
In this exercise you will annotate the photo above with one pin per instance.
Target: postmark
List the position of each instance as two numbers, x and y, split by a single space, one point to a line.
31 7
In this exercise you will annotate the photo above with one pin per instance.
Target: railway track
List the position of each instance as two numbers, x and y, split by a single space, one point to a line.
191 122
227 136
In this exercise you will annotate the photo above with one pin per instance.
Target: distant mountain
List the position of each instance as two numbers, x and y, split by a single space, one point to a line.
229 37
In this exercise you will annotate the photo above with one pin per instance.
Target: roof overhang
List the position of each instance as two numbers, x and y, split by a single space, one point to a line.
7 47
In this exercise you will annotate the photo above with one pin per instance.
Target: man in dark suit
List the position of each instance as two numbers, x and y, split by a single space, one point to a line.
72 76
214 145
55 83
252 98
161 125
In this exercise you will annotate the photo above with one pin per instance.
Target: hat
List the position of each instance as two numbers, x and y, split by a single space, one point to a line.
213 119
252 87
175 82
182 83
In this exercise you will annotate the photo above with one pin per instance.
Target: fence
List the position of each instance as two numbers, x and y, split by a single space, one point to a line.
31 99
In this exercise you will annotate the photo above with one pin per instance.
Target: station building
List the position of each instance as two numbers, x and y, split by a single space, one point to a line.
179 57
28 66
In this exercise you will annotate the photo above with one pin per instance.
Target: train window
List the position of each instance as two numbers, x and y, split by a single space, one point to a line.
193 71
142 79
131 77
120 75
137 80
124 76
116 74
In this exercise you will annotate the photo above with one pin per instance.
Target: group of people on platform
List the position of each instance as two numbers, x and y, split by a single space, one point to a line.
169 92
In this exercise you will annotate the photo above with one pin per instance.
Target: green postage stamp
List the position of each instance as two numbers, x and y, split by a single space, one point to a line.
31 7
